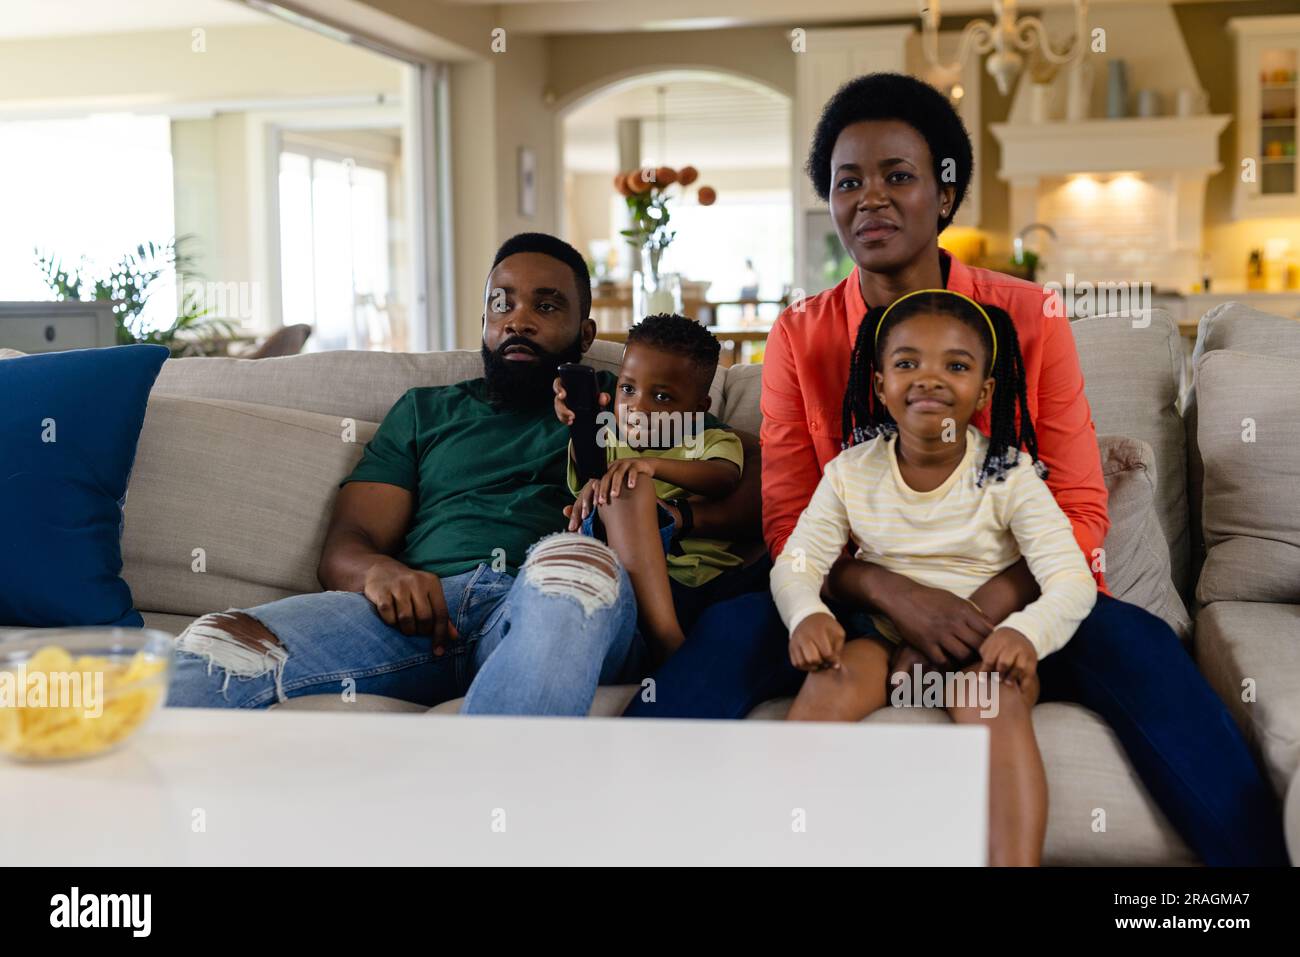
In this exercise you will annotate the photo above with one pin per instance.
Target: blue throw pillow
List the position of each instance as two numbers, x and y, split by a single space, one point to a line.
69 423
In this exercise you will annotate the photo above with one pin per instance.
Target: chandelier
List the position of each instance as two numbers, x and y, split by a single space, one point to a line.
1005 40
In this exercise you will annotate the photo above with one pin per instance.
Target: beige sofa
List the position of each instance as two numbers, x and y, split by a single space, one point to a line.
239 460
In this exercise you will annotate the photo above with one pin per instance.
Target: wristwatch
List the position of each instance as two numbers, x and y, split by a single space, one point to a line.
688 516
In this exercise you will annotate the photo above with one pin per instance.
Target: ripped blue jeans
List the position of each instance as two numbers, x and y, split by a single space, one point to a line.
535 644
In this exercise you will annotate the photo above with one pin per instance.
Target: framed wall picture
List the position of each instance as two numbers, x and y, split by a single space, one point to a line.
527 182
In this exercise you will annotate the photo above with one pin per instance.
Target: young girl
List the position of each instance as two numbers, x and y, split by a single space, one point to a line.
921 492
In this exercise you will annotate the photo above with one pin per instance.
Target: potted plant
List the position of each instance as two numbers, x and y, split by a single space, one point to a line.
128 286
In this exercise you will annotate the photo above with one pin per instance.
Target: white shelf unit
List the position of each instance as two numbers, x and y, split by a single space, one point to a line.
1268 111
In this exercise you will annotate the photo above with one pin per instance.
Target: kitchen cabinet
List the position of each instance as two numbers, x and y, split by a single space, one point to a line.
1268 101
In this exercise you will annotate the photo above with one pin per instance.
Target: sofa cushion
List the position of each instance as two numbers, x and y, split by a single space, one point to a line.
1133 379
1235 327
1231 327
358 704
69 426
610 702
1249 652
161 620
1137 557
740 408
1248 433
251 486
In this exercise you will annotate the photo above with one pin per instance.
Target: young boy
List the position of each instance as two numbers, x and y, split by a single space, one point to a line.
660 433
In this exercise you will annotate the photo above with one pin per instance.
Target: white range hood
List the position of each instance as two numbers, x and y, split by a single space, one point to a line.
1126 197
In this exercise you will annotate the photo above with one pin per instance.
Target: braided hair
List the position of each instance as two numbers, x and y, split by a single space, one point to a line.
1011 429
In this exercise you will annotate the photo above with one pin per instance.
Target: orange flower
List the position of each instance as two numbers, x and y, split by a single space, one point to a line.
707 196
665 176
687 175
620 184
638 181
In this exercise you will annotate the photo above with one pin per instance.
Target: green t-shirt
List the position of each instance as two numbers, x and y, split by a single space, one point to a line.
484 478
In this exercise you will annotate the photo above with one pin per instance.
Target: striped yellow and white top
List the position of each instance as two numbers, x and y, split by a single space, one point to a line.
955 537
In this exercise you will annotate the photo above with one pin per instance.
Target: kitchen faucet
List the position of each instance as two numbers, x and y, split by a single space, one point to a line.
1019 242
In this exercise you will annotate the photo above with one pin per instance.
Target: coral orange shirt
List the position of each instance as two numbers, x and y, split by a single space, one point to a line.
806 370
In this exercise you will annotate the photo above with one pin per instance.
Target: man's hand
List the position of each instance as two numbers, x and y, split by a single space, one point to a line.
817 642
946 629
562 411
622 473
1010 654
410 601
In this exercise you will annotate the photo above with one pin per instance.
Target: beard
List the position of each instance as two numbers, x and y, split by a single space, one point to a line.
524 386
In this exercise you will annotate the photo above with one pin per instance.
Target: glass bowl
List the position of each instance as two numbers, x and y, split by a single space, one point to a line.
69 693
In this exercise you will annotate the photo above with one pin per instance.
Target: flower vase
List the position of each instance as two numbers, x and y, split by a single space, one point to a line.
654 292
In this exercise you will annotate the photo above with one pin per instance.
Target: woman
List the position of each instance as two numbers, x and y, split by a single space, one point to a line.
893 160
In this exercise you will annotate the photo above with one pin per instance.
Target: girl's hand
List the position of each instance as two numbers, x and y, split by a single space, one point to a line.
817 642
583 505
1010 654
621 473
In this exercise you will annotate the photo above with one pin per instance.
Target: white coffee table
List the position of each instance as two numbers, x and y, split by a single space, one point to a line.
226 787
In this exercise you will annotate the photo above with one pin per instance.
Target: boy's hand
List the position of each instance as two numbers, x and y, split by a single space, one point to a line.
562 411
583 505
817 642
620 473
1010 654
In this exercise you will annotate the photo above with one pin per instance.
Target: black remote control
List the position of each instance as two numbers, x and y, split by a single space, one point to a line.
582 398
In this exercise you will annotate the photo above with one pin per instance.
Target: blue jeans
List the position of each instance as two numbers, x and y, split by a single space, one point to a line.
520 651
1123 663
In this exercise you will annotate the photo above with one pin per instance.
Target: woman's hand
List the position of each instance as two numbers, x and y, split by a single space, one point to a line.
562 411
817 643
622 473
1010 654
946 629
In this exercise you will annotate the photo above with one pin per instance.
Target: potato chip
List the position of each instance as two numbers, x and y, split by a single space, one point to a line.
46 730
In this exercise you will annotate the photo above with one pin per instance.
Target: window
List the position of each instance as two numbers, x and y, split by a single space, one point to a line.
89 188
334 251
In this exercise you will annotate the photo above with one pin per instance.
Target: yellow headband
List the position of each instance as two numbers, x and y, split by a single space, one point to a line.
948 292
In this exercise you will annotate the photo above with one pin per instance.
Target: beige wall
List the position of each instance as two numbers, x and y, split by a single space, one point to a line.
524 119
496 107
587 208
474 190
581 63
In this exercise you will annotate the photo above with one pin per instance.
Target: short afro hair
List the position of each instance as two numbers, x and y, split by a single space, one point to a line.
556 248
683 337
893 96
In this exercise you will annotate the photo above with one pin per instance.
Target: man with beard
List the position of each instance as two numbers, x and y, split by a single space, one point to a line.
432 589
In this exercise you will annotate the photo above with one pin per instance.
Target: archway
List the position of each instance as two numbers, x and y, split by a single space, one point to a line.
736 131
